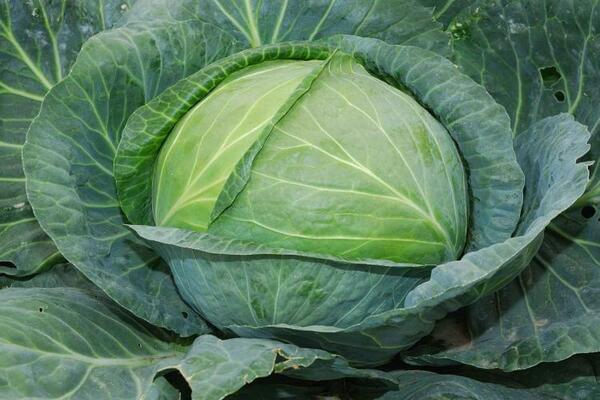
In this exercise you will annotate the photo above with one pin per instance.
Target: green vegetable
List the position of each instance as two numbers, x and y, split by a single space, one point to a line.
346 165
295 199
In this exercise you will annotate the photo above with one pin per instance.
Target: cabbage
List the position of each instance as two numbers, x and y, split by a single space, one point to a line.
207 193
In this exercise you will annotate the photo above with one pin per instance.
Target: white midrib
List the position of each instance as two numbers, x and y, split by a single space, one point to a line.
313 237
8 34
95 361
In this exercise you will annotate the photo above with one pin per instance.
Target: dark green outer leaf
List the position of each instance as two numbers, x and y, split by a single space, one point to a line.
524 52
69 156
261 22
550 311
242 360
86 340
537 58
303 301
77 344
423 385
216 368
573 379
70 342
39 40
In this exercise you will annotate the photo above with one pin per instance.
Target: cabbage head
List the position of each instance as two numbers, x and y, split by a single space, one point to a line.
343 194
325 189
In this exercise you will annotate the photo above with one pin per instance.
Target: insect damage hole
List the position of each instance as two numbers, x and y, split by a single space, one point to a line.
559 95
588 212
550 75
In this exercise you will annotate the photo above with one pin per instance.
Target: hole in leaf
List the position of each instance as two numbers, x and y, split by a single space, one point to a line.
588 212
40 309
185 315
559 95
550 76
177 380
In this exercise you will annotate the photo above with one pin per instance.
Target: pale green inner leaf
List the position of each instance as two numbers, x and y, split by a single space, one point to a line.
205 146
